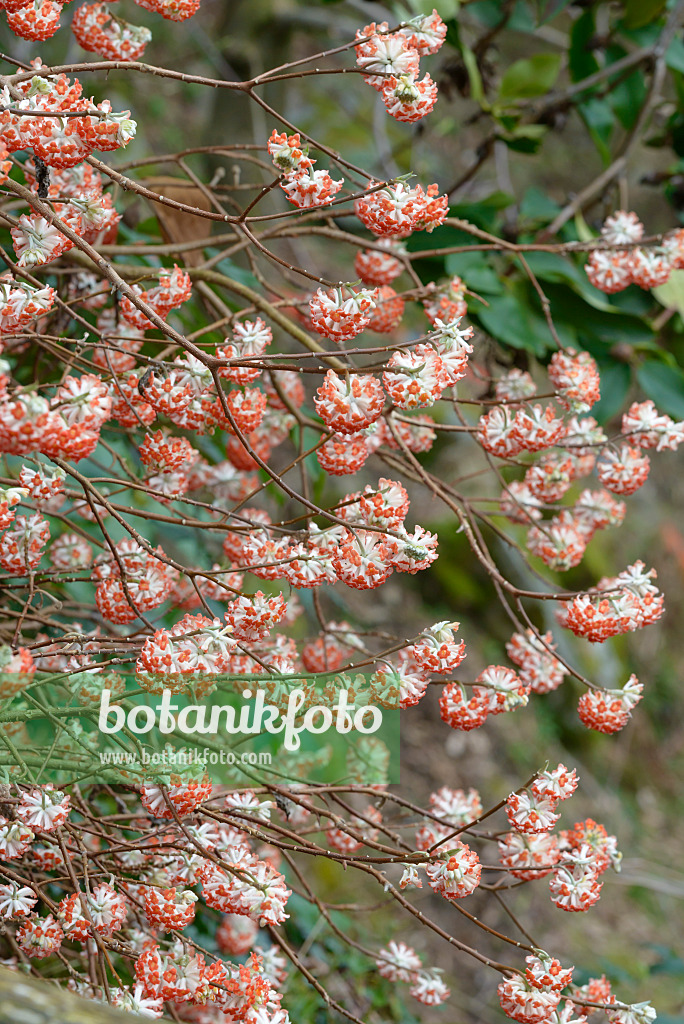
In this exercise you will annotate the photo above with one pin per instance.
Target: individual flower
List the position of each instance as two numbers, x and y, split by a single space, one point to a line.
398 962
524 1002
415 379
463 710
531 813
349 405
16 901
40 937
380 265
623 471
575 377
609 711
43 809
456 874
339 316
408 98
308 188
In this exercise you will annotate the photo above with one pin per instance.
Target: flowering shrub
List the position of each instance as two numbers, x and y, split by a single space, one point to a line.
144 404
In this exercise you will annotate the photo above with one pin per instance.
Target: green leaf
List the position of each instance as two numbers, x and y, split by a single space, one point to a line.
626 97
599 119
665 385
538 206
615 381
598 327
475 270
469 60
532 76
581 60
526 138
512 322
549 266
548 9
584 232
674 55
671 294
490 13
642 12
484 213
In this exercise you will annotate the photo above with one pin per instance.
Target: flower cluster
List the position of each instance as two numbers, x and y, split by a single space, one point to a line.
625 262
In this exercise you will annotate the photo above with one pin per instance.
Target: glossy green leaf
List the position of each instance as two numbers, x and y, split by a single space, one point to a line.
526 138
641 12
674 55
581 60
616 379
671 294
548 9
511 321
627 95
598 328
600 121
549 266
532 76
476 270
665 385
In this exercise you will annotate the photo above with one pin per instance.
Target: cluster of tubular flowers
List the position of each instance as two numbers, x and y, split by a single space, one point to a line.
95 28
193 651
454 873
88 212
624 262
609 711
164 452
253 887
399 962
61 142
416 378
538 667
249 341
342 313
380 265
303 186
532 428
174 288
391 59
349 405
99 31
397 210
21 303
525 1002
573 859
131 580
616 605
576 379
586 852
